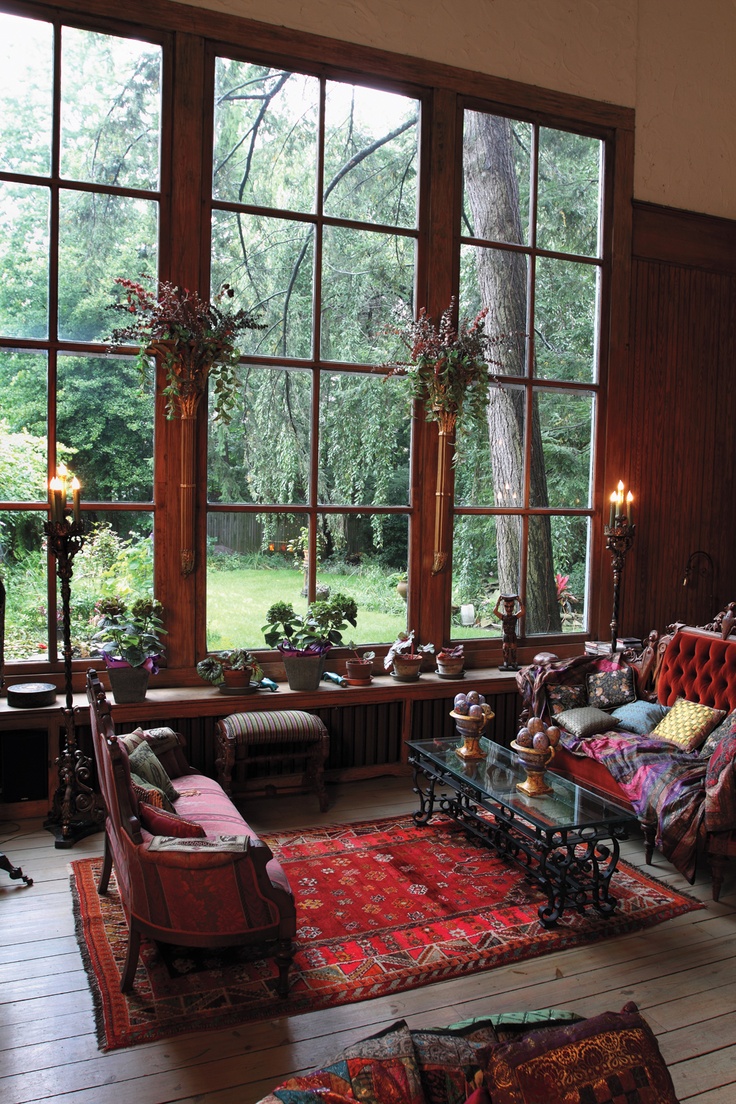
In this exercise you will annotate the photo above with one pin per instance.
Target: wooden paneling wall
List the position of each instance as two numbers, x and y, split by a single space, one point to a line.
671 420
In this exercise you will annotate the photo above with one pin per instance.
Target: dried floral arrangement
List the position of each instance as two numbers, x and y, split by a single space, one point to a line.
194 337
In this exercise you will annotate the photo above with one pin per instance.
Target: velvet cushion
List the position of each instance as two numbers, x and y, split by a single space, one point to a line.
639 717
607 689
589 721
688 723
724 729
147 766
162 823
560 698
612 1058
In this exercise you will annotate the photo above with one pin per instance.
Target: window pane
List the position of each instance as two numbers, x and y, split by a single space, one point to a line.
105 427
24 576
364 556
269 263
490 467
117 559
263 454
371 153
110 110
249 567
24 262
475 586
569 191
543 612
100 237
496 160
365 435
497 280
566 320
565 440
265 136
23 444
26 75
570 539
365 276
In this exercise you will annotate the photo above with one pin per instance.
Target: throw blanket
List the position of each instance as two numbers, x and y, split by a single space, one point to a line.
685 796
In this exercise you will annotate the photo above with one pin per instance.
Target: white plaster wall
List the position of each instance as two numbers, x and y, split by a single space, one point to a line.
674 61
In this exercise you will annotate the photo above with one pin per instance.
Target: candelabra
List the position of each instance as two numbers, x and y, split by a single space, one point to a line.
75 811
619 534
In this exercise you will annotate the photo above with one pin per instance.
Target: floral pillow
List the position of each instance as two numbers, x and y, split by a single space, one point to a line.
688 723
560 698
607 689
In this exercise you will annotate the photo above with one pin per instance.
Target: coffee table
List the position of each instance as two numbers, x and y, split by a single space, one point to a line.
567 842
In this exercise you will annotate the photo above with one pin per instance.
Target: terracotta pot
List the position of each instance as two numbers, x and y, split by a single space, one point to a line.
359 669
407 667
236 681
452 668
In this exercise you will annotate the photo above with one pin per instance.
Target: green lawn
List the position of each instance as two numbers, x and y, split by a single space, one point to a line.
237 602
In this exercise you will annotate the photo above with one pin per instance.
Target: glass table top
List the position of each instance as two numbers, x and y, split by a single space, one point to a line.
494 779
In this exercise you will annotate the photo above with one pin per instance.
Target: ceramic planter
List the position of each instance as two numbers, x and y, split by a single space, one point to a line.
450 668
406 668
128 684
359 670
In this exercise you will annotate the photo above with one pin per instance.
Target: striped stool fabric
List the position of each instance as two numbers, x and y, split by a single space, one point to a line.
272 737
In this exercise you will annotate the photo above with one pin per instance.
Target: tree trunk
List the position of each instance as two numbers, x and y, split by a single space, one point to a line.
493 196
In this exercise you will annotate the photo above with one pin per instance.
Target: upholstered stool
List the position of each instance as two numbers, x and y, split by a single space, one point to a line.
272 737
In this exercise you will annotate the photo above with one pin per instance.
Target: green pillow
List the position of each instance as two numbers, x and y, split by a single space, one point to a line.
145 763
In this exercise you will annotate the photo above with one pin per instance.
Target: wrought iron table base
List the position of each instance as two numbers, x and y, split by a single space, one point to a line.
572 867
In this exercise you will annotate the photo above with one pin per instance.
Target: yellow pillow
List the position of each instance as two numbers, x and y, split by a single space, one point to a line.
687 724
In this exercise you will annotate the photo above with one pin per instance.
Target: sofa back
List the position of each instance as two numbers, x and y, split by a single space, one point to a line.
113 774
699 666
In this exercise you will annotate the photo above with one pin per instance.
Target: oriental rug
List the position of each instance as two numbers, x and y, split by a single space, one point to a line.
382 907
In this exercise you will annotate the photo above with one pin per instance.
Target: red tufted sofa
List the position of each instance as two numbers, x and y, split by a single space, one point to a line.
195 898
686 802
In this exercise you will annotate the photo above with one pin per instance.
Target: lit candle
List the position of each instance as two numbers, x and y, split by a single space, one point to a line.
613 510
629 500
62 472
76 501
55 486
620 498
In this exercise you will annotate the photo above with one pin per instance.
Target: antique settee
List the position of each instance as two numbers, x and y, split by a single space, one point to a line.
551 1055
189 869
668 752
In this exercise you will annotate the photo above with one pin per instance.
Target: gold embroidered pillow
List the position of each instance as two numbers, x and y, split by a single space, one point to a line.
688 723
588 721
607 689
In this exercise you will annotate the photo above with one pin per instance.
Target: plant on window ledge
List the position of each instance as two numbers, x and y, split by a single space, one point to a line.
129 640
225 666
312 633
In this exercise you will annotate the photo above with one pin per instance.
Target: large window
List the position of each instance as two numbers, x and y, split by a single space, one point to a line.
80 153
315 224
531 254
334 191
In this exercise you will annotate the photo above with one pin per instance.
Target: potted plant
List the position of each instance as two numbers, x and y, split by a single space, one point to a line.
359 668
305 639
235 671
404 658
128 637
450 662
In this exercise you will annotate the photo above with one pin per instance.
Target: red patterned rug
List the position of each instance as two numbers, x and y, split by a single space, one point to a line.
381 908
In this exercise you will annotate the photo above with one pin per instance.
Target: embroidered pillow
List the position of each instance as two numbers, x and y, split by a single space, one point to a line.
585 722
146 765
149 795
451 1063
607 689
560 698
725 728
162 823
611 1057
687 724
640 717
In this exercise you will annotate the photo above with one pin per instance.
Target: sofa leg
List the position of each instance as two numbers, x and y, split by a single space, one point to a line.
106 869
131 960
650 836
284 957
717 865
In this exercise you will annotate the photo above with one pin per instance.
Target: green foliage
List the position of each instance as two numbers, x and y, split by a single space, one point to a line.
212 668
132 633
314 632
